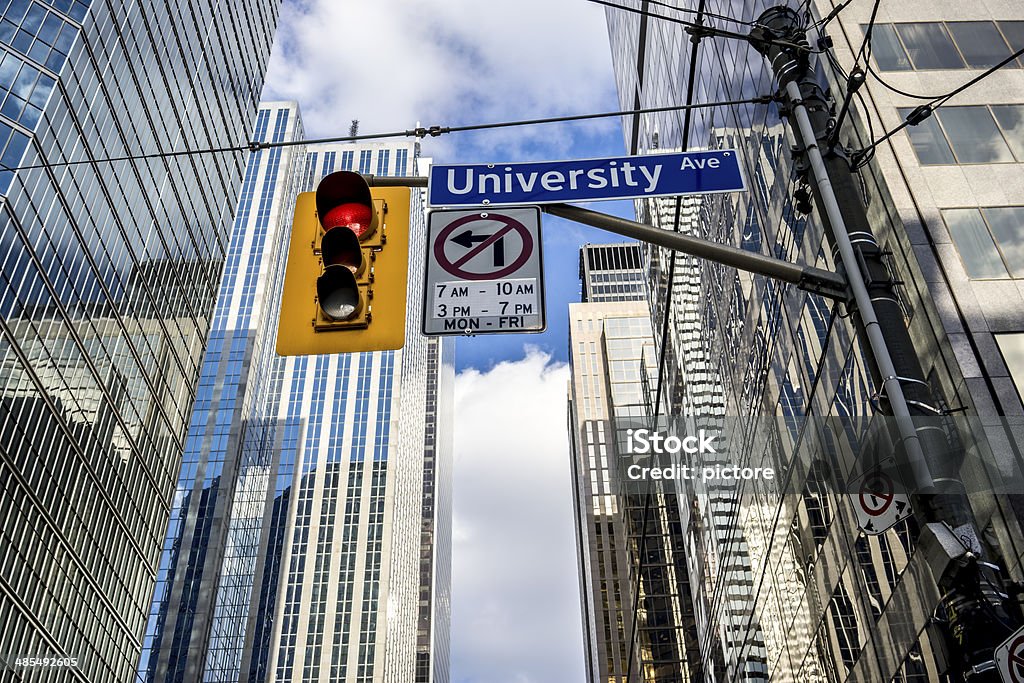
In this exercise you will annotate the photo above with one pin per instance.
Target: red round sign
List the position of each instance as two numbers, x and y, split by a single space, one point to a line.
1016 660
455 267
876 494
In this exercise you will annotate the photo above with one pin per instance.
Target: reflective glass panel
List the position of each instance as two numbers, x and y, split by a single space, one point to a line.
1014 34
1012 346
1011 120
973 241
973 135
979 42
1007 224
929 143
929 46
887 50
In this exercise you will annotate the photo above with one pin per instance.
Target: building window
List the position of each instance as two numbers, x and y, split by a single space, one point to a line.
990 241
980 43
951 45
930 46
1014 33
974 136
364 161
928 141
1011 119
1012 348
969 135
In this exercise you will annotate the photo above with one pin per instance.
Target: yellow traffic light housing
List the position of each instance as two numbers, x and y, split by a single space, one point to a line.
348 262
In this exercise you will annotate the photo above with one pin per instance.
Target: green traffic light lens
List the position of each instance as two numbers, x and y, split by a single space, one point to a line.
338 293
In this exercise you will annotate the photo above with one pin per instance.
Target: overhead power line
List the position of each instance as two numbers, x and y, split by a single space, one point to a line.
687 10
700 29
419 132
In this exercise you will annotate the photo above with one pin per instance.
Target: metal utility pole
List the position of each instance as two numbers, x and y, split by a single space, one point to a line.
977 614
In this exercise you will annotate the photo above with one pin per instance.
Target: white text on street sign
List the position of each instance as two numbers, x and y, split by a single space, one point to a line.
580 180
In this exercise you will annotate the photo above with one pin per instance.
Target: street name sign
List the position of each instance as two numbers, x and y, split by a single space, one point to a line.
484 273
581 180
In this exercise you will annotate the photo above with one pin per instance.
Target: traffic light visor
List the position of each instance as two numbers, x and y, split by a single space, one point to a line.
343 198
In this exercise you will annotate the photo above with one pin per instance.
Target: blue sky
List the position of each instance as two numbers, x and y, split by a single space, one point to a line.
394 64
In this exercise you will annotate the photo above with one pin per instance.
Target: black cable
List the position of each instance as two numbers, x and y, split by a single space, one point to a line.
687 10
865 46
889 86
420 132
854 80
703 29
831 15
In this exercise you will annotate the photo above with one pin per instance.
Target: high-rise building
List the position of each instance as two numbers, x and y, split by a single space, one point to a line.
612 272
613 364
109 272
311 534
785 584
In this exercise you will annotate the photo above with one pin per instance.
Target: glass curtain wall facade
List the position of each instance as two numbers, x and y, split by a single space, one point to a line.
364 571
612 363
109 274
785 585
312 534
200 607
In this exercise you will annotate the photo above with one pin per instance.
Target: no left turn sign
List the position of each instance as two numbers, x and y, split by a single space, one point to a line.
483 273
877 501
1010 658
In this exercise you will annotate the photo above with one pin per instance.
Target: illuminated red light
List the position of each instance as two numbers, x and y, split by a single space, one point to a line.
354 216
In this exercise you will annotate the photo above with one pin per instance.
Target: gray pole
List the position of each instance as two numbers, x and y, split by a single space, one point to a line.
805 277
891 380
977 615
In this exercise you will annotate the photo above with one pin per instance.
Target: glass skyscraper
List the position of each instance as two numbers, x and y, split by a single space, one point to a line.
311 534
785 584
613 365
109 273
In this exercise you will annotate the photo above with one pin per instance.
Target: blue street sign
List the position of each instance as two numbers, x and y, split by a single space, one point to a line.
581 180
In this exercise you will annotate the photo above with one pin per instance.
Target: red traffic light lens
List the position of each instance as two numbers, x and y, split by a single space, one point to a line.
357 217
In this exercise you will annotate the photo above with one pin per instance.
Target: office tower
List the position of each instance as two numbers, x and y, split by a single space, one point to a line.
612 272
786 586
312 536
211 549
109 274
612 366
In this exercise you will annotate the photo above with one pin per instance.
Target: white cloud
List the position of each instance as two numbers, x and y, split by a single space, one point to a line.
393 63
515 594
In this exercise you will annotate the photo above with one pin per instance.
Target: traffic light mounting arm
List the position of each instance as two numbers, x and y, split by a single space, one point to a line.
817 280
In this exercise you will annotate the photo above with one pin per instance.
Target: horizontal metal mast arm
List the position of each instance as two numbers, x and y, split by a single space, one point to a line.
812 279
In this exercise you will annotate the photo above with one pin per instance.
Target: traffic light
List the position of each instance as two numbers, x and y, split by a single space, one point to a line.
345 283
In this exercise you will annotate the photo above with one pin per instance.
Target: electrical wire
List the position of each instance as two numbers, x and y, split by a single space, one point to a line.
820 25
687 10
420 132
703 29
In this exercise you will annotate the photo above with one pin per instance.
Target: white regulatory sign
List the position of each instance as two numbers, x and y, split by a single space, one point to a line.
484 272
